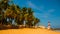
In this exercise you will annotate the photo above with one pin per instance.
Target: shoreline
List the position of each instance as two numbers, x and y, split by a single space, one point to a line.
28 31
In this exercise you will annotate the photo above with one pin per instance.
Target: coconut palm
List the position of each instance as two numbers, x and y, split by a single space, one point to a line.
18 15
30 17
36 20
4 4
30 20
24 12
13 12
0 16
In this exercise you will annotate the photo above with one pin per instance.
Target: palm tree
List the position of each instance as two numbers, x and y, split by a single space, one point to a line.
4 4
14 12
30 17
0 16
24 12
18 15
36 21
30 20
7 14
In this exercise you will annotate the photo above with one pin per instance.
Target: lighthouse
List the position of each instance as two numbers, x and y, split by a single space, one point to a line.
48 24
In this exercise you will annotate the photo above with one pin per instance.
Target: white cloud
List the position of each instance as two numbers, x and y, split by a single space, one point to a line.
45 14
42 15
48 13
51 10
32 5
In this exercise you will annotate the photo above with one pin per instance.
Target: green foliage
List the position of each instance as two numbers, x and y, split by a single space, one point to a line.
20 15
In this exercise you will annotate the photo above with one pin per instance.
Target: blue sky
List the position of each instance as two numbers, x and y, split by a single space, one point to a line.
45 10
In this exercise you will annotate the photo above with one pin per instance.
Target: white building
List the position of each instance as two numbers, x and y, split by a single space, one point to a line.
48 25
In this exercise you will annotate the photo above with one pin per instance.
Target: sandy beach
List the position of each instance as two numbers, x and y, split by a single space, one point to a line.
28 31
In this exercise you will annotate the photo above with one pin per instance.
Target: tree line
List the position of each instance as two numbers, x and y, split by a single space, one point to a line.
11 14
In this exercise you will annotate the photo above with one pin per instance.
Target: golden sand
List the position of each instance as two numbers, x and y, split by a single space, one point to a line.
28 31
